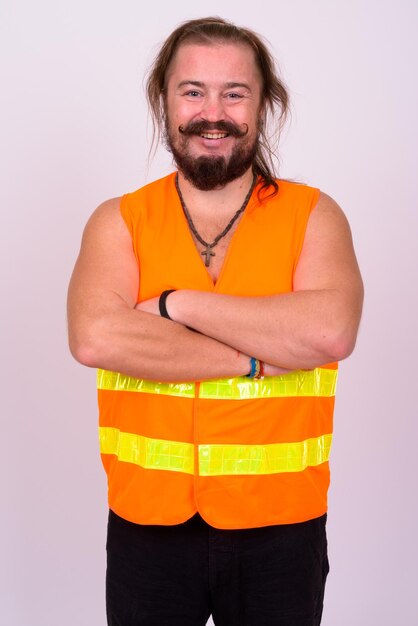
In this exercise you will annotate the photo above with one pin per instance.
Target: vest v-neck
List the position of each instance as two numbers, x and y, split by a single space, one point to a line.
214 285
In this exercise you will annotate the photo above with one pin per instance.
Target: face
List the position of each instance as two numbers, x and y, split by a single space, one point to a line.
213 112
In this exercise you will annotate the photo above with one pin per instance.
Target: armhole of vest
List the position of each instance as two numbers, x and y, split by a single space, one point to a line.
126 213
310 205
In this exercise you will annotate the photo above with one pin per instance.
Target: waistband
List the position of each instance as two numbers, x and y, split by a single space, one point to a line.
220 539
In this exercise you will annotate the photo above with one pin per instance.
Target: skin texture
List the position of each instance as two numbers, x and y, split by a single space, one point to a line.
315 324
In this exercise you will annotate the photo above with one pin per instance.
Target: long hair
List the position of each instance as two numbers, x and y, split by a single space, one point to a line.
274 96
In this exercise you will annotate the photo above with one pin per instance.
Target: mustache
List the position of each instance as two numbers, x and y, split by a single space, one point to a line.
202 126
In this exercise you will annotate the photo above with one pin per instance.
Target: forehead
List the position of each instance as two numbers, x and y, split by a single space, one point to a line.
215 63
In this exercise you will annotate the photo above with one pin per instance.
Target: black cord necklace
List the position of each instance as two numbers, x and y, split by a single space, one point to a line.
208 252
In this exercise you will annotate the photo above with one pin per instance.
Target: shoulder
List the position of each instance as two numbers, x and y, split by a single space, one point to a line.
108 206
114 205
327 226
294 195
122 211
328 211
107 213
107 223
327 204
320 206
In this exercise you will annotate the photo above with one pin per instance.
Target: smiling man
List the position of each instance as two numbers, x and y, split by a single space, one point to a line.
216 303
212 126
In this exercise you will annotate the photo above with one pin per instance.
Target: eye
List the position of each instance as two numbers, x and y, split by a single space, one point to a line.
193 93
234 96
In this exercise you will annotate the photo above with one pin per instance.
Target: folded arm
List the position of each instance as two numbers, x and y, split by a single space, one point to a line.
315 324
105 329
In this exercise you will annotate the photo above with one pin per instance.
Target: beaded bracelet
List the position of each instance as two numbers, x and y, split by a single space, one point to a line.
256 369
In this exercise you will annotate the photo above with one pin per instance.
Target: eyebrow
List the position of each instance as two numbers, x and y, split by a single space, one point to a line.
197 83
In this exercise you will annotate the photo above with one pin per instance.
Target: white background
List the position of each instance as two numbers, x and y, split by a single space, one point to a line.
74 133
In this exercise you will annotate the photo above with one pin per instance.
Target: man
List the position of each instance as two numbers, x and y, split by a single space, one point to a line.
215 303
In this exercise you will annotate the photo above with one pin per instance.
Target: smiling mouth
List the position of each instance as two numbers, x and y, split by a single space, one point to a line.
214 135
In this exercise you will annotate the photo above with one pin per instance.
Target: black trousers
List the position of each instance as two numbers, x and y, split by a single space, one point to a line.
180 575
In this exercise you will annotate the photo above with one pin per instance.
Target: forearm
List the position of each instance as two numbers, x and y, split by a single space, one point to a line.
106 330
146 346
298 330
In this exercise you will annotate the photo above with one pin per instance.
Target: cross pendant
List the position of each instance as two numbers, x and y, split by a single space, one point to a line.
208 253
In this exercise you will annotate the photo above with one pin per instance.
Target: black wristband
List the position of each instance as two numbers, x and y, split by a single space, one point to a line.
162 303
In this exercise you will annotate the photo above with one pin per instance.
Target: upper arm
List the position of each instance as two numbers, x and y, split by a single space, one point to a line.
105 276
328 261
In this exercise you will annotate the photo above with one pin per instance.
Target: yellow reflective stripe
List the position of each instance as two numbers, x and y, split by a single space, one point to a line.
113 381
318 382
215 459
275 458
149 453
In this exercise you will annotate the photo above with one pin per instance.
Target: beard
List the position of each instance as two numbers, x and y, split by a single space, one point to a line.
209 172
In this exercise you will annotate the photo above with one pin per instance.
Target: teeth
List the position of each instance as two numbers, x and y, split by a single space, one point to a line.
214 135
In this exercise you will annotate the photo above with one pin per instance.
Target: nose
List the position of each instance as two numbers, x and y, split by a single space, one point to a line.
213 109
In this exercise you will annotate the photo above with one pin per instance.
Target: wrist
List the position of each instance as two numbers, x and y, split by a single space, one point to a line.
245 366
178 304
162 304
256 369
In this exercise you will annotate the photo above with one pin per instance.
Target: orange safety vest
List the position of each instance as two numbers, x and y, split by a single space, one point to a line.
244 453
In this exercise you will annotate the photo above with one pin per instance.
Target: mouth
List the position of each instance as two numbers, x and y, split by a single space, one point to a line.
214 135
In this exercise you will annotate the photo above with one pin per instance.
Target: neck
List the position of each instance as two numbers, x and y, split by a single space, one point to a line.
216 200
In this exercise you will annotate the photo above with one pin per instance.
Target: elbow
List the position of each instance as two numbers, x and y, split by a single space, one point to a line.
340 350
339 345
84 354
340 333
84 349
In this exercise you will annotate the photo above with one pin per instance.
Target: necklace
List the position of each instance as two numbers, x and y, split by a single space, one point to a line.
208 252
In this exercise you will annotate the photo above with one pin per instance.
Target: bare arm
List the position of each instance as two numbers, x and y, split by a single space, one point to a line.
106 331
315 324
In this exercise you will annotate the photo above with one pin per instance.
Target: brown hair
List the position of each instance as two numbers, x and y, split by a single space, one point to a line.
274 95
